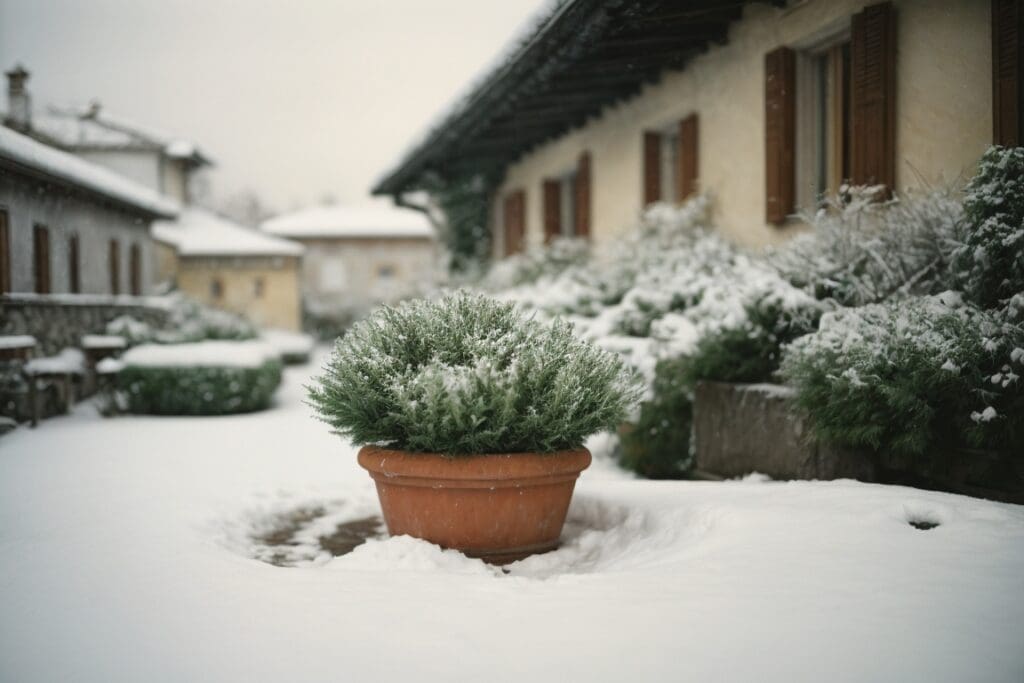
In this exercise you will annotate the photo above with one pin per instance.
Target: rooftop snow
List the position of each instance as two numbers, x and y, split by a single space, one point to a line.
23 151
369 220
88 127
201 233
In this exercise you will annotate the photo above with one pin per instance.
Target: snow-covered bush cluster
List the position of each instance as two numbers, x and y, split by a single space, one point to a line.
466 374
187 321
909 376
681 305
205 378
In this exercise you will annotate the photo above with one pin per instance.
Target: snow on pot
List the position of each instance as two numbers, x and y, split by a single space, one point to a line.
473 417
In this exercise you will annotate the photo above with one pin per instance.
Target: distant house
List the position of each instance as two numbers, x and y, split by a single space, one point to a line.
222 264
605 106
68 226
357 256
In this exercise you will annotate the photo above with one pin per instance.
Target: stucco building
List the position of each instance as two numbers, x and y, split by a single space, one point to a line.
357 256
222 264
604 107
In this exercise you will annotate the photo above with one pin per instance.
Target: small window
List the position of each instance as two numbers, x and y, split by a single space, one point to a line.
41 258
5 253
74 274
823 122
216 288
332 275
257 288
670 165
114 266
385 272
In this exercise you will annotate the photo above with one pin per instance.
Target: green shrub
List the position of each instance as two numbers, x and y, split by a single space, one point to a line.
912 378
466 374
991 261
657 446
185 390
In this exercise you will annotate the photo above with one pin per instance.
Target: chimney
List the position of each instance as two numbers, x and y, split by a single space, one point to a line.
19 104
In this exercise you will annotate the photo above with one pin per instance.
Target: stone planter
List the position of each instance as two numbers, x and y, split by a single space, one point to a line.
500 508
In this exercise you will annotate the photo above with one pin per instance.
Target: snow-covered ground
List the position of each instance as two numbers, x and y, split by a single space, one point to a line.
126 555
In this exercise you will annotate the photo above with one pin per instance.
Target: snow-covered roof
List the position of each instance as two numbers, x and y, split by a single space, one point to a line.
89 128
200 233
23 152
374 220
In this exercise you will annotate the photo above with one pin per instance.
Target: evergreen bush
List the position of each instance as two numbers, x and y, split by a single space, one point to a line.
912 378
465 375
991 261
192 390
657 446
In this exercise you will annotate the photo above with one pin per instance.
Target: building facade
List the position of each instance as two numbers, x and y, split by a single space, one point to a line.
358 256
69 227
765 106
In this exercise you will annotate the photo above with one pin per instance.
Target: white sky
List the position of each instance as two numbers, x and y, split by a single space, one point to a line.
295 99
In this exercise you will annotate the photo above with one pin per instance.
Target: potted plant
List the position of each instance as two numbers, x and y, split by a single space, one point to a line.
472 419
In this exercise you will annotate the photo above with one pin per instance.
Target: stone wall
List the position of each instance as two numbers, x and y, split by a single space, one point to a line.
743 428
60 321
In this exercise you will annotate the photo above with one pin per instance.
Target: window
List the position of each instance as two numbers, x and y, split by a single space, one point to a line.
135 270
114 266
332 274
216 288
5 253
514 221
670 162
823 121
257 288
385 272
560 206
41 258
74 276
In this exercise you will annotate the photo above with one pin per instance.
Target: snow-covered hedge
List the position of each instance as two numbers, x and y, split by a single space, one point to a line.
913 378
206 378
466 374
188 321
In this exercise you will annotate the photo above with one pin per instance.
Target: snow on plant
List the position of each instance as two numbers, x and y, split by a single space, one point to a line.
991 260
911 377
533 264
863 251
466 374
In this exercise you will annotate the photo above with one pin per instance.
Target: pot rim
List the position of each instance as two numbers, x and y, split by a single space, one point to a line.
484 467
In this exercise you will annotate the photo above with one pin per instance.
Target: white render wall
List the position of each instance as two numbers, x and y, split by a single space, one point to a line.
943 116
63 213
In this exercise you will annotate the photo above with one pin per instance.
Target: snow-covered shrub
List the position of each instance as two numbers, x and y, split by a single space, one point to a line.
206 378
132 330
466 374
657 445
189 321
533 264
862 251
991 260
911 378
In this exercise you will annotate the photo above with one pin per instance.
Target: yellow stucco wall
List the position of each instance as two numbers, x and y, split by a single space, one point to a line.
279 305
943 116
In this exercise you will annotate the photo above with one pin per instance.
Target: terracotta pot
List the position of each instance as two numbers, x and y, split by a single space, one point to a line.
500 508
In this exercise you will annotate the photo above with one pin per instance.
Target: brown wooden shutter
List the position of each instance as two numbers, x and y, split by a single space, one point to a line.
1007 93
41 251
652 167
552 209
515 218
688 154
873 97
74 274
780 133
5 254
583 182
135 270
114 263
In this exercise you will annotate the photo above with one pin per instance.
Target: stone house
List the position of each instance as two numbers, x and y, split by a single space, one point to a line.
222 264
604 107
69 227
357 256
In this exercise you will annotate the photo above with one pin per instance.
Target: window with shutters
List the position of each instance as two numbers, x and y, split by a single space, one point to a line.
1007 68
670 162
823 121
514 222
5 253
74 261
559 196
41 258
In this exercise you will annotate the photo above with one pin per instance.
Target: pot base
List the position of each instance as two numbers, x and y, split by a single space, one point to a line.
512 554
